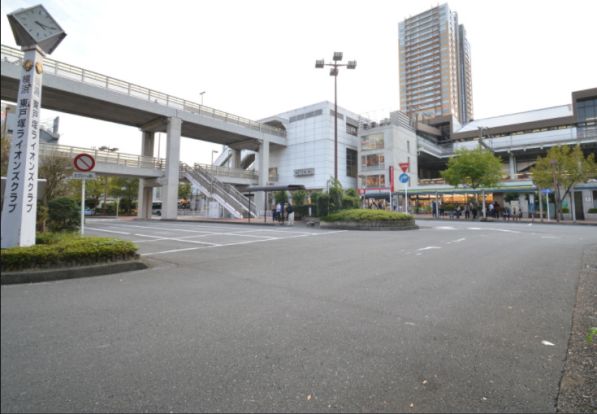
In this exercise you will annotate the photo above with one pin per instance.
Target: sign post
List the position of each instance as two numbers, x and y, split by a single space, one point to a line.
404 177
84 163
38 34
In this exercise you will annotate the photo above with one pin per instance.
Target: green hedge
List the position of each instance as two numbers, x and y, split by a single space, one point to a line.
366 215
592 211
57 250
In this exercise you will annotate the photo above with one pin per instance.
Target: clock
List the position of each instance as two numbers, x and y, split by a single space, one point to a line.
34 26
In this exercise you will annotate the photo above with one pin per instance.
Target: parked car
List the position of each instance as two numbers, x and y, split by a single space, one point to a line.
90 211
156 208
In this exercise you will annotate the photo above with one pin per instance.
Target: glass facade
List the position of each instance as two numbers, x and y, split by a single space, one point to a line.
373 141
587 110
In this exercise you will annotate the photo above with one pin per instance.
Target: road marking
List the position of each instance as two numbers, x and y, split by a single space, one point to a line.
428 248
176 250
445 228
493 229
108 231
547 343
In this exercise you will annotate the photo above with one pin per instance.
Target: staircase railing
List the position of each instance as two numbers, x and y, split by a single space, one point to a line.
228 196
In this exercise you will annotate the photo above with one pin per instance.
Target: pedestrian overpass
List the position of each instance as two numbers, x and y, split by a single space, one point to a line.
78 91
214 182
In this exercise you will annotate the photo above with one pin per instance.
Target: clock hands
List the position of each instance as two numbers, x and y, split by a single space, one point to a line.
44 27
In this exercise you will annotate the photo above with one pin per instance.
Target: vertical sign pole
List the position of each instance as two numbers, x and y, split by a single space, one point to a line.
548 215
83 180
406 197
20 194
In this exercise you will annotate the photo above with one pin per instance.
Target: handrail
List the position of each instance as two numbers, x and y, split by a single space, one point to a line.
118 158
65 70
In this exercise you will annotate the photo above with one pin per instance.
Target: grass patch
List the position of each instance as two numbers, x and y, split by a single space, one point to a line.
365 215
66 249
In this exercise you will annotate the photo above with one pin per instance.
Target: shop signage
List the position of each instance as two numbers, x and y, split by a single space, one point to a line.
304 172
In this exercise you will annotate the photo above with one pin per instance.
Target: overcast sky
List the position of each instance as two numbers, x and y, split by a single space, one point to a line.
256 58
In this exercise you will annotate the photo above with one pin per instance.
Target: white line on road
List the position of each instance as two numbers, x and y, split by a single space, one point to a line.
428 248
107 231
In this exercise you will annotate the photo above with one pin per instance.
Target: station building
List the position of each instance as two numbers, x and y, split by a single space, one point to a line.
371 153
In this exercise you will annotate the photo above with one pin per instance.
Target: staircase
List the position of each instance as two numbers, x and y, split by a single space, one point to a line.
227 195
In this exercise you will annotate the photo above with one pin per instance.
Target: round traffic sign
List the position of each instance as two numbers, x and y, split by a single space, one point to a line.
84 162
403 178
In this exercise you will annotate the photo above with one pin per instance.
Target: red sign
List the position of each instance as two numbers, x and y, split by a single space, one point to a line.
403 166
84 162
391 178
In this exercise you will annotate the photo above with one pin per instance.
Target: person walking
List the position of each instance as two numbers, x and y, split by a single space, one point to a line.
279 212
290 212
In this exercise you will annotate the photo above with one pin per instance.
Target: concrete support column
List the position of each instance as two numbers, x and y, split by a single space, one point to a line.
170 184
263 164
145 195
512 166
235 159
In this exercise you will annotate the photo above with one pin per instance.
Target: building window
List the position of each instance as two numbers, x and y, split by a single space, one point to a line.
273 174
373 141
306 115
373 181
351 163
372 161
351 129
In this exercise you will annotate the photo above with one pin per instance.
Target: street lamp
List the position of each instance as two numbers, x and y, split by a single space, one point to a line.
351 64
201 94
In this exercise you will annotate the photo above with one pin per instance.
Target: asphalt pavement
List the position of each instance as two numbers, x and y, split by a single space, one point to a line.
454 317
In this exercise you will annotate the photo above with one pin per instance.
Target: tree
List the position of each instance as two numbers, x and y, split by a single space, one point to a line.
335 193
475 168
299 197
562 168
127 190
281 196
4 154
54 168
184 190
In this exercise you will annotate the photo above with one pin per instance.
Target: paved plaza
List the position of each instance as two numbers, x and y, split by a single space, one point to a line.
454 317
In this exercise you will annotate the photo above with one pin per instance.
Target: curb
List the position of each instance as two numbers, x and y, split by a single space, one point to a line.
47 275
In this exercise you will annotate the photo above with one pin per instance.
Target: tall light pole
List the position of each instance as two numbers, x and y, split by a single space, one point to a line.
351 64
201 94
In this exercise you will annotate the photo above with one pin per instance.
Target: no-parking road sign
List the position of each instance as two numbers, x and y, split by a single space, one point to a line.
84 162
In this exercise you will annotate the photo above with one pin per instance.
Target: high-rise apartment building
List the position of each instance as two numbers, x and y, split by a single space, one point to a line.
435 66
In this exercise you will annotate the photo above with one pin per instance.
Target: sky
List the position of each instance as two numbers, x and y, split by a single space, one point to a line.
257 58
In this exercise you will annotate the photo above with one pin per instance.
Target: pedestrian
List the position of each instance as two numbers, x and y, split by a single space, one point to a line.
290 212
279 211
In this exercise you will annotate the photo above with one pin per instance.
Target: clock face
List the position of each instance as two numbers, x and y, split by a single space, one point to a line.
38 23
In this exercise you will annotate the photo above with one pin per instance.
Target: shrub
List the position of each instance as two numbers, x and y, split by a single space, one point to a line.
362 214
63 214
64 249
299 197
323 204
592 211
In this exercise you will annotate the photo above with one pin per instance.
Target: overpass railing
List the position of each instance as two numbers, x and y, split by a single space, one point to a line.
116 158
54 67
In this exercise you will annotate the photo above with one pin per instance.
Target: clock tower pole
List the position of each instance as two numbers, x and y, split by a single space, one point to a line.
20 194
